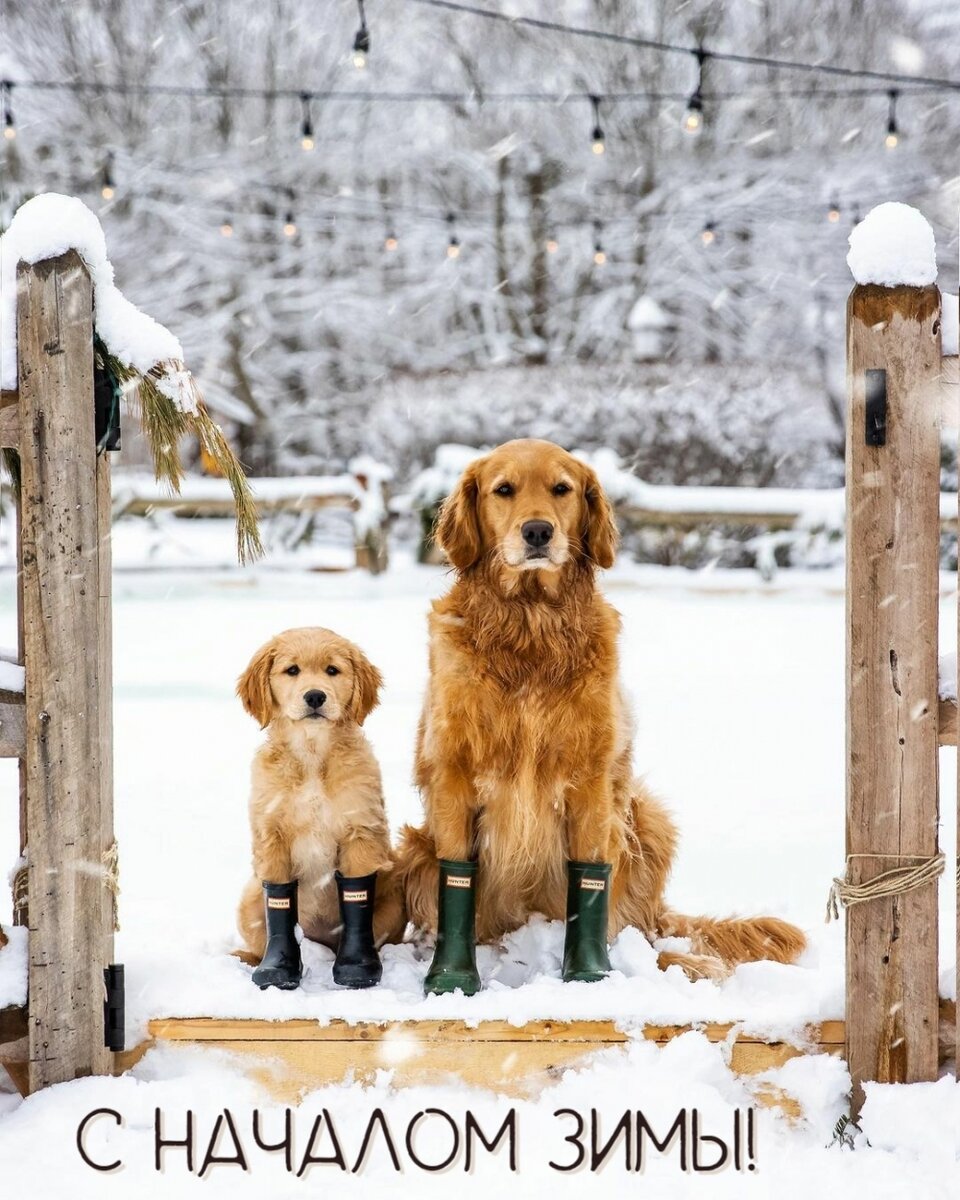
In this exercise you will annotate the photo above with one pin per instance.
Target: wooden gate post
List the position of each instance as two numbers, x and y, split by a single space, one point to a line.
893 537
68 693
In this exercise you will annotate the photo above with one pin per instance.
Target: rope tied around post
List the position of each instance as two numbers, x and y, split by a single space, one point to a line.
895 882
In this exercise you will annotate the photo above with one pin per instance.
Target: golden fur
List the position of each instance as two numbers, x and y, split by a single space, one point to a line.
524 748
316 801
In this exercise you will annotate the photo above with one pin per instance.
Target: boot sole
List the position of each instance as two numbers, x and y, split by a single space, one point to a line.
444 986
285 985
347 979
585 976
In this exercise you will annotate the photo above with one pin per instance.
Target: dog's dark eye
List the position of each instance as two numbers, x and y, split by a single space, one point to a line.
293 670
332 670
561 489
505 489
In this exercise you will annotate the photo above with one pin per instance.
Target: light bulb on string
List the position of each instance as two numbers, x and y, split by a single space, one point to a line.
597 140
107 185
708 234
361 41
306 124
390 242
226 228
599 254
892 140
551 245
453 245
693 116
9 128
289 225
833 212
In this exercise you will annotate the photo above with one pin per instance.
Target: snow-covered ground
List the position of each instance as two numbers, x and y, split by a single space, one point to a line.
738 688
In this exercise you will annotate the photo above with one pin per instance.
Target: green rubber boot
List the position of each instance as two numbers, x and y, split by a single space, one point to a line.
585 944
454 959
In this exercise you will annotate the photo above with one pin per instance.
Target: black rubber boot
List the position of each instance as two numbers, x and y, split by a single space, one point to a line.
281 966
358 963
454 959
585 943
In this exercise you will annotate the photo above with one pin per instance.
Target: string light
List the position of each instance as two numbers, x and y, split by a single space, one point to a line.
551 245
9 128
390 242
289 225
453 246
226 228
598 143
833 212
361 43
599 255
306 125
892 140
108 187
693 117
708 234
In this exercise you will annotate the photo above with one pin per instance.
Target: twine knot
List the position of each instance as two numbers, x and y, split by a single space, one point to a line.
894 882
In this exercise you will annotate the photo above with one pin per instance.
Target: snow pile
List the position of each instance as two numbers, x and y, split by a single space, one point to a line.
50 225
892 246
13 967
950 324
922 1119
947 689
372 477
521 982
436 482
13 677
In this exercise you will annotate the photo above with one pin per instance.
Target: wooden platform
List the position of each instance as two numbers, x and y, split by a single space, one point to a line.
290 1058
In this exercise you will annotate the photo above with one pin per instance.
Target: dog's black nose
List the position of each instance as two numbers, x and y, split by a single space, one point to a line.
314 699
536 533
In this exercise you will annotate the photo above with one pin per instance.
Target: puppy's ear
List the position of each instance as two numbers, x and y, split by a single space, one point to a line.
253 686
367 682
458 527
600 533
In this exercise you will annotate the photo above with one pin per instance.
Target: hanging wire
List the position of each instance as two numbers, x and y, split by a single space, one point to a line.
753 60
693 117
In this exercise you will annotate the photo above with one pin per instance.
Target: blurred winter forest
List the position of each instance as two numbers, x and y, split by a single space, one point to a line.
317 344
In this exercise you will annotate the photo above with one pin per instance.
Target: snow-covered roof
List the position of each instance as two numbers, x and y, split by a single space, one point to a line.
647 314
893 246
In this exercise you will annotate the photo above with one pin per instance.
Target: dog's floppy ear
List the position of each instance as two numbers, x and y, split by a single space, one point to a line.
600 533
458 527
253 686
367 682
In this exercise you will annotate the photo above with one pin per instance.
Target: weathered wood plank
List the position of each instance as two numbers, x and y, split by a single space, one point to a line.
202 1029
13 1024
61 589
10 428
108 855
947 722
12 724
892 707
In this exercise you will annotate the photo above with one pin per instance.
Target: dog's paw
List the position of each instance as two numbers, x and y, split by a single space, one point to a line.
695 966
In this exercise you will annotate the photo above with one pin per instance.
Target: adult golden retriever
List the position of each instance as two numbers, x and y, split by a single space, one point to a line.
316 800
524 748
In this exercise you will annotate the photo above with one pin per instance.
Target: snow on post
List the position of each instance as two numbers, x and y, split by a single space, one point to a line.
893 246
140 352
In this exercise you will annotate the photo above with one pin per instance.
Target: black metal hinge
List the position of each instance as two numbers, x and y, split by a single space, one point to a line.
875 431
113 1006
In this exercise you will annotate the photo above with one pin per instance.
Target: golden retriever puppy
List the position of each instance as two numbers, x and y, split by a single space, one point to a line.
524 756
320 836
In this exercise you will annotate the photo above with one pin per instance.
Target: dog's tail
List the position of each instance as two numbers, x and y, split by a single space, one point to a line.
418 875
736 940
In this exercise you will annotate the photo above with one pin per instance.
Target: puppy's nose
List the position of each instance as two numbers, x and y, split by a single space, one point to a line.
536 533
314 699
